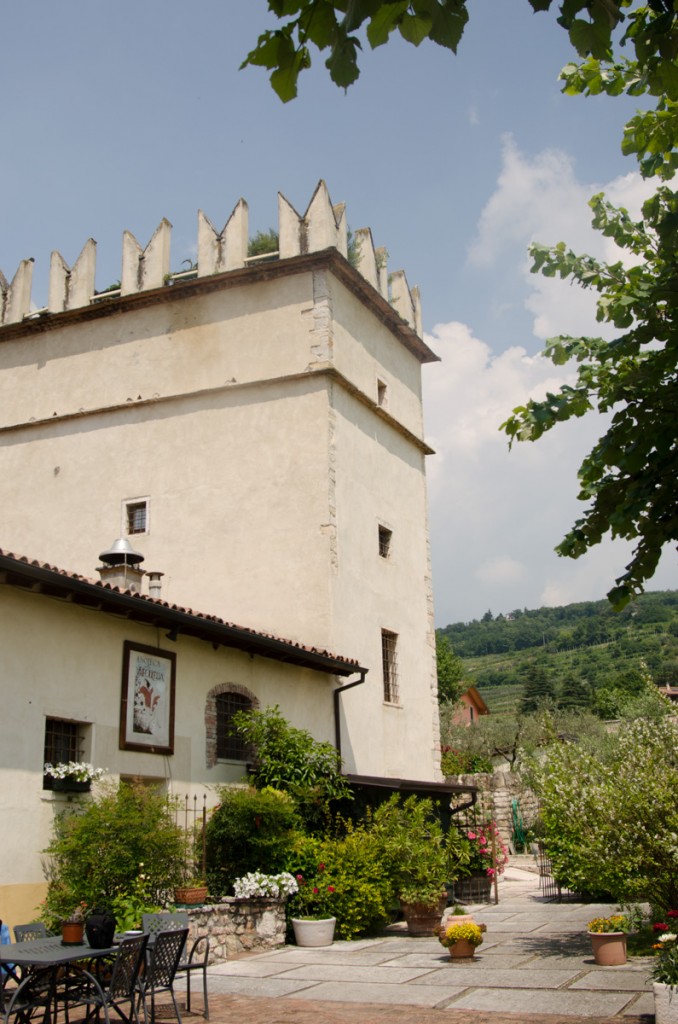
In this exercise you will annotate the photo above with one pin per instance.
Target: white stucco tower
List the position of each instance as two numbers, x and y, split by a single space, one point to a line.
255 428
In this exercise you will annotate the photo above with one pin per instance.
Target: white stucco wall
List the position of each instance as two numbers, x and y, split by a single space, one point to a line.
61 661
248 418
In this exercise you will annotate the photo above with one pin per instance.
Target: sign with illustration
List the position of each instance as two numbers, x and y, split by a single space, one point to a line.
147 704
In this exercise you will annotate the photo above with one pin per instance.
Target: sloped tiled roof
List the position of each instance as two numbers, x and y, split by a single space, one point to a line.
51 581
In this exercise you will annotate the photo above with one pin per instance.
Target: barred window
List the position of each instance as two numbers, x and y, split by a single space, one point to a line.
230 746
136 513
385 536
389 664
63 742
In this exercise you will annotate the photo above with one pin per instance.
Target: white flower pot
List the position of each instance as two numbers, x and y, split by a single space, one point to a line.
665 1003
308 932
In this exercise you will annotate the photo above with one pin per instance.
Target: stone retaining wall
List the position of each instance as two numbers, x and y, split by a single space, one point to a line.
238 926
497 791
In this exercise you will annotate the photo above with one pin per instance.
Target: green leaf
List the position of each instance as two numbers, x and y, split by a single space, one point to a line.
384 21
414 29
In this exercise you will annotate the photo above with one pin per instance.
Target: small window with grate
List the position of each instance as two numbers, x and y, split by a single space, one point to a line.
231 746
385 536
136 517
389 665
63 742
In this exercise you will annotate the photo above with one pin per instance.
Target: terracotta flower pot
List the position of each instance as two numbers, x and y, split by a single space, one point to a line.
462 950
609 948
665 1003
72 933
422 918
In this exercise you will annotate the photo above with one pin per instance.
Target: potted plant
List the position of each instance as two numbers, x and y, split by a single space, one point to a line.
192 892
665 978
310 910
608 938
72 776
415 847
483 854
73 927
256 885
461 939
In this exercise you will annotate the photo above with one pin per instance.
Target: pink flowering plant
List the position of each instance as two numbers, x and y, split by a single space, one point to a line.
315 897
478 855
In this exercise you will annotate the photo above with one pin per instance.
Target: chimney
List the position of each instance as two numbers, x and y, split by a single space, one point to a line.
154 584
121 566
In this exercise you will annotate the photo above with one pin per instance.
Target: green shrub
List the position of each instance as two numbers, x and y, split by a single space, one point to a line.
611 819
354 867
463 762
290 759
251 830
98 854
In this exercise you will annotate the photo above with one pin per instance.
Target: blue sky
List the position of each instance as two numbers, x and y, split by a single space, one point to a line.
115 117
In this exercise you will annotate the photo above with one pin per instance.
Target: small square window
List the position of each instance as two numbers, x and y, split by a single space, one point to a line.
382 393
385 536
389 663
136 517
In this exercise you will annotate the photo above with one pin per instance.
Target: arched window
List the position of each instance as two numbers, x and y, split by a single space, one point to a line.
230 746
222 704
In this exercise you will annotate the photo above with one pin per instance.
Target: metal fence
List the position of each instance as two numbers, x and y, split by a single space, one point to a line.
190 813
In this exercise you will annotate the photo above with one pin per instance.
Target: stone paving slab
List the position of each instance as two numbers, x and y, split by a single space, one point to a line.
392 994
355 974
476 976
499 961
274 987
614 980
543 1001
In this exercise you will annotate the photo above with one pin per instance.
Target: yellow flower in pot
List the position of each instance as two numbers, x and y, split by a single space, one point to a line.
608 938
462 940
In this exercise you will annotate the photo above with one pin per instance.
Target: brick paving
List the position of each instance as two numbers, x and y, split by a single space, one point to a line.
241 1009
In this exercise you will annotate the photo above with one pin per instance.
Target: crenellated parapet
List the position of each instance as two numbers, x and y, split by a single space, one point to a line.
322 226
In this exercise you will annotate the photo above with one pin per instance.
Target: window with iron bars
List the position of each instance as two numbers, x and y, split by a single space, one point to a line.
389 664
136 513
385 536
231 746
63 743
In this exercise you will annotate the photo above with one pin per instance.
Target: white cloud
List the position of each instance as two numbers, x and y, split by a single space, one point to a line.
539 199
496 516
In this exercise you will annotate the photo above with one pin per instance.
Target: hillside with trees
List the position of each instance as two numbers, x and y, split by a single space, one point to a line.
581 655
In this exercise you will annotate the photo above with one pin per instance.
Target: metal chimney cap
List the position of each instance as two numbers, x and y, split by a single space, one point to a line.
121 552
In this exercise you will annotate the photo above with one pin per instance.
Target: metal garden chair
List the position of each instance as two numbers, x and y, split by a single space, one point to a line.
123 987
30 932
198 951
161 969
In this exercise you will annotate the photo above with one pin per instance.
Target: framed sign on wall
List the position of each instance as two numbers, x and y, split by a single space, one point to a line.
147 701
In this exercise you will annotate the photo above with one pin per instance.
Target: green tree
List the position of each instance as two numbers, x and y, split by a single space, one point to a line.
629 476
450 671
538 688
333 26
610 816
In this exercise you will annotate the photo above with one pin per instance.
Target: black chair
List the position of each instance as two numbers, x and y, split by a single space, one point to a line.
161 969
85 989
29 932
198 951
34 996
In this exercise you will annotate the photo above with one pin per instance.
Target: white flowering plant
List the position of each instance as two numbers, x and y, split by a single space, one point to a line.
79 771
256 883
